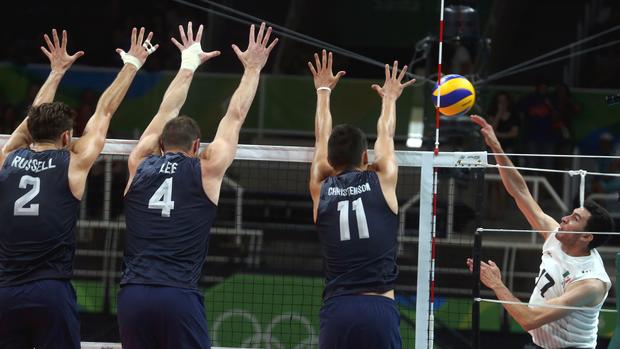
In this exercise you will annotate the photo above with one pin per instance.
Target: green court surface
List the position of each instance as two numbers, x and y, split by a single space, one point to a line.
252 309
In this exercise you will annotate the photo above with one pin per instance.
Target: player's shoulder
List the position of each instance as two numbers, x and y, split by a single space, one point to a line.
19 151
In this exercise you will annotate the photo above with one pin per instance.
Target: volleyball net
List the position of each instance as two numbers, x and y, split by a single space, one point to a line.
263 278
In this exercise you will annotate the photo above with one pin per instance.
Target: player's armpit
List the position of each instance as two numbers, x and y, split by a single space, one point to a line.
148 145
319 170
387 171
214 161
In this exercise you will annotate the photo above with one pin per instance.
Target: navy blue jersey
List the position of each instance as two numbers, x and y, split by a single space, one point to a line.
168 219
358 232
38 216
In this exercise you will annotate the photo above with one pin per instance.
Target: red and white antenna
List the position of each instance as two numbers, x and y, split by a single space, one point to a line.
431 319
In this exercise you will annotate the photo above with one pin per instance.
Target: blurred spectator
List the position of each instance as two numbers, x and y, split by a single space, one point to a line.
538 131
84 111
31 94
10 119
503 119
506 124
564 111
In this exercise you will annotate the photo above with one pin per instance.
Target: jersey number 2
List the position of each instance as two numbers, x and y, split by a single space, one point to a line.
360 215
20 208
162 199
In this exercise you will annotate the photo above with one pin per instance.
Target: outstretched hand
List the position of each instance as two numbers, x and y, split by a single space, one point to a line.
490 274
393 86
56 52
486 130
188 40
322 73
137 48
256 55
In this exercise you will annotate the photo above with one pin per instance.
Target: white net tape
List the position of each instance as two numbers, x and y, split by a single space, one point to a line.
553 306
102 345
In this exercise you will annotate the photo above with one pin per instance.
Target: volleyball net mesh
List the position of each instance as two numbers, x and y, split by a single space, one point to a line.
263 278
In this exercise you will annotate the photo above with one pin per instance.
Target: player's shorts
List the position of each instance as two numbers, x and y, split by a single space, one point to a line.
359 321
161 317
40 314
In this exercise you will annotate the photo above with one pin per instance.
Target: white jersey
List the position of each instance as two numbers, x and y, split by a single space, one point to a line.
557 271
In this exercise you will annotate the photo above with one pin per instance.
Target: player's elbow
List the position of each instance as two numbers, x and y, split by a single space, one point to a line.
104 110
521 195
529 325
385 130
533 322
236 113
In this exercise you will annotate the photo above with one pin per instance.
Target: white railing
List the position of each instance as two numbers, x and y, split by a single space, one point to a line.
537 182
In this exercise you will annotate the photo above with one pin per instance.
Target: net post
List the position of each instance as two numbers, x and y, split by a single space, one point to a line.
479 209
475 310
423 318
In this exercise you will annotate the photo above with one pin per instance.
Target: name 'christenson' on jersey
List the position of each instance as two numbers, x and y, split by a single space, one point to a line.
335 191
32 165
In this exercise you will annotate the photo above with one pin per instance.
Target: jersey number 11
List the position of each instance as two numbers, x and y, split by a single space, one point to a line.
360 215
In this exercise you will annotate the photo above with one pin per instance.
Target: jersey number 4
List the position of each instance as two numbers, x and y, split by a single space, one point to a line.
20 208
162 199
360 215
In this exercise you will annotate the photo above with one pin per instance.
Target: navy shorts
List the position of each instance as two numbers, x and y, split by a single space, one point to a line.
161 317
41 314
359 321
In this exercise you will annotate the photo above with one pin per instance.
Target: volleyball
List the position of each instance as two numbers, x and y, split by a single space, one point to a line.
457 95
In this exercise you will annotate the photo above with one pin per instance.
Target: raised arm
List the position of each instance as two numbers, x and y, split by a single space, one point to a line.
85 150
584 293
324 82
220 153
60 62
385 162
515 184
192 57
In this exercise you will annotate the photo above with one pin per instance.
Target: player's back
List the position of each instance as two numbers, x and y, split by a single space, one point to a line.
358 233
168 219
39 216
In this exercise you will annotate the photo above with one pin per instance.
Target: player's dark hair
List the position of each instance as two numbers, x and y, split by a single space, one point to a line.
180 132
600 221
47 121
346 146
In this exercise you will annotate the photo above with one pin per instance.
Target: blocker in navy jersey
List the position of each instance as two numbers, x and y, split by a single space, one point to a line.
39 215
168 219
358 231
